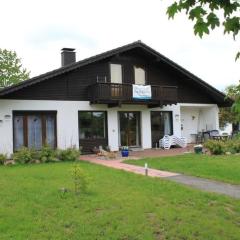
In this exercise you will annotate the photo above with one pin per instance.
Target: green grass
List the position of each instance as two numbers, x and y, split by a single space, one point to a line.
118 205
222 168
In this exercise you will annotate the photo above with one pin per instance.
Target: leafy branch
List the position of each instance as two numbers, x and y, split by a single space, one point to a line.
206 15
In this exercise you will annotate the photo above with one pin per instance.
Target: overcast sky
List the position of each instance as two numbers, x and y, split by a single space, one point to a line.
37 30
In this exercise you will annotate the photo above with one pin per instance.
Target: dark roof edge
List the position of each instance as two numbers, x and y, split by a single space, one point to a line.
102 56
67 68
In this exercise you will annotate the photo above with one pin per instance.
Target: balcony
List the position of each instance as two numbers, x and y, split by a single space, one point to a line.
115 94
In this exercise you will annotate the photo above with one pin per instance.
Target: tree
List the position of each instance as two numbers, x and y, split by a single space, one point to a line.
11 70
234 93
228 114
210 14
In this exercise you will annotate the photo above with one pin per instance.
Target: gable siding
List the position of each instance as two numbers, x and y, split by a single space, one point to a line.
73 85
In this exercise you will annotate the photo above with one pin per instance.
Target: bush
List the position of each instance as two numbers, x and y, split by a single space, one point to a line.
69 154
215 147
47 154
3 158
233 146
23 155
220 147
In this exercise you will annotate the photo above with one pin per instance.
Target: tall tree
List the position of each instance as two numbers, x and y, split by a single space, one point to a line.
11 70
210 14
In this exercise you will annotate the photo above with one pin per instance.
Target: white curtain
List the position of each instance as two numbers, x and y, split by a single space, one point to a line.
18 132
34 132
50 131
167 124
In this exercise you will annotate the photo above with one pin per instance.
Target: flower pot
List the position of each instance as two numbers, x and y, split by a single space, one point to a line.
198 149
125 153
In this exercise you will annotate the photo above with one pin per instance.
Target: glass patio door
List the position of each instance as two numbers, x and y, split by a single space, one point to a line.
129 128
161 124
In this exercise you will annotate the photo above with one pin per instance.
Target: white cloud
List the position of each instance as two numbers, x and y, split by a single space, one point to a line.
37 30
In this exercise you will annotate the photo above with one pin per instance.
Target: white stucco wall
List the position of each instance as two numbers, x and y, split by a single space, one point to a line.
197 118
67 120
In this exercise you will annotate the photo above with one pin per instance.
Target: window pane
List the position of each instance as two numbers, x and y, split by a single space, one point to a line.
167 123
50 131
98 125
91 125
18 132
161 124
139 76
116 73
34 132
85 125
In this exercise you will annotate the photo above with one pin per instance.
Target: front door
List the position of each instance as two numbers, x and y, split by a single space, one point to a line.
129 128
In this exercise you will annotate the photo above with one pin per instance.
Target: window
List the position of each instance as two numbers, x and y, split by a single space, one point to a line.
140 75
92 125
34 129
116 73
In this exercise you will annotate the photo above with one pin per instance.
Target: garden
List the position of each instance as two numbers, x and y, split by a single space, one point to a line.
45 155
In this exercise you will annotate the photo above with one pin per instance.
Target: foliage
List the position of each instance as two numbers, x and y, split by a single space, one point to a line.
221 147
207 15
11 70
23 155
80 179
47 154
235 94
215 147
3 158
227 114
69 154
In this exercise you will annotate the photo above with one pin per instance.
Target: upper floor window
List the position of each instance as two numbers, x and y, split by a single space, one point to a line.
140 75
116 73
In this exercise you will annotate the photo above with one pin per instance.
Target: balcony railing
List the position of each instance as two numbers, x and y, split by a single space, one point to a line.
114 92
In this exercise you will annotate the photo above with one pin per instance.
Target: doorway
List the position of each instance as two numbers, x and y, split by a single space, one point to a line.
161 124
129 127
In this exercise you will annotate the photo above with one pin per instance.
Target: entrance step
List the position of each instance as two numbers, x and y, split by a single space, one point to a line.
136 149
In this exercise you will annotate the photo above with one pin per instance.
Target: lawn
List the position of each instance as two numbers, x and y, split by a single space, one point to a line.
224 168
118 205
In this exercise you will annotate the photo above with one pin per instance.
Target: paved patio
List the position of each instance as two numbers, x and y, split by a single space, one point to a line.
161 152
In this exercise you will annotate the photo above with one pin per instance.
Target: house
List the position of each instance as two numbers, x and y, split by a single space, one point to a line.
101 101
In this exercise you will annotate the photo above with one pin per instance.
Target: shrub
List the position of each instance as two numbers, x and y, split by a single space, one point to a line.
3 158
69 154
215 147
23 155
47 154
80 179
233 146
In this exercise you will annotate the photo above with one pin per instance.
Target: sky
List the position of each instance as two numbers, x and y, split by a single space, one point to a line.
38 30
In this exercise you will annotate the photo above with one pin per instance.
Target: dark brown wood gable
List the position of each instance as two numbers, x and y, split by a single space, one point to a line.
73 85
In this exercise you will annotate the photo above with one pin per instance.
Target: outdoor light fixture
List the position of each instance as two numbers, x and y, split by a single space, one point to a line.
7 117
177 117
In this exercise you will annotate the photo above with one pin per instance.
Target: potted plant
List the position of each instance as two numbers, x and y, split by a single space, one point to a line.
125 151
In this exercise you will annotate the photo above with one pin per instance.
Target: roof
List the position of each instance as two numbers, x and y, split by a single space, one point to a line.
79 64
